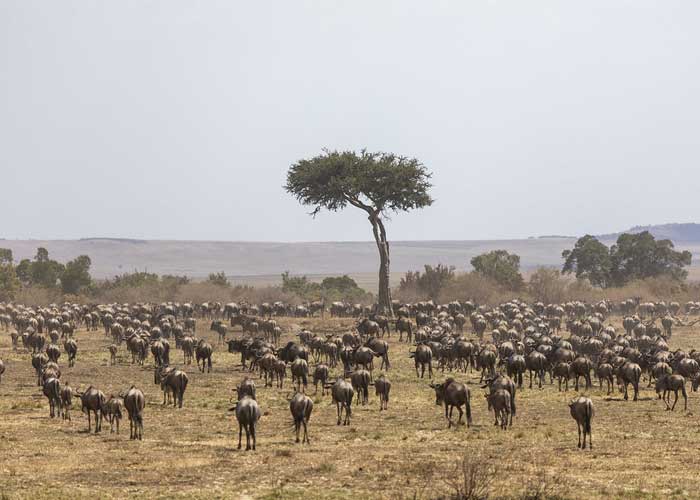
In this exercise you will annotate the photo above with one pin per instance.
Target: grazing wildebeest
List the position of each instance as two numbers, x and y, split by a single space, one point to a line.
582 411
172 381
382 388
113 410
342 394
203 354
301 407
453 394
247 414
71 348
67 401
300 373
360 383
52 390
605 372
629 373
380 348
499 401
219 327
92 400
423 356
135 402
320 375
667 383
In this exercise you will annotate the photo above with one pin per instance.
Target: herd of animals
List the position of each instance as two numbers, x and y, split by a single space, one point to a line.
566 342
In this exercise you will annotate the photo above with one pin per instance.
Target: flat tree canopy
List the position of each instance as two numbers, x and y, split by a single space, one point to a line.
377 183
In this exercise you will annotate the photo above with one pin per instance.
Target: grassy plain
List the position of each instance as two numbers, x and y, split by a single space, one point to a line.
640 450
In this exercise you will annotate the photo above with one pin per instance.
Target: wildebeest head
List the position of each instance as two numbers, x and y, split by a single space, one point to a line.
439 393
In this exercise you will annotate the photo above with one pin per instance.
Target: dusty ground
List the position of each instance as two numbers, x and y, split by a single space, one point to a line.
640 450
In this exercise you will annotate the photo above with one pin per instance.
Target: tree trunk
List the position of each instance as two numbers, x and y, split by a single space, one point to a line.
384 298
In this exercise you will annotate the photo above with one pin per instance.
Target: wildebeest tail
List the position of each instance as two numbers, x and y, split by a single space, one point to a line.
587 417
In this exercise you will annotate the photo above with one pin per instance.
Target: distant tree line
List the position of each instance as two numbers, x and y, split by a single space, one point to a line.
633 257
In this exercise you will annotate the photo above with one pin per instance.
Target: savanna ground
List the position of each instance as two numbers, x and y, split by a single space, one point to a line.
640 450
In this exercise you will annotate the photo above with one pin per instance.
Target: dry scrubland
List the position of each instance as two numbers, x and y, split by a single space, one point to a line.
640 450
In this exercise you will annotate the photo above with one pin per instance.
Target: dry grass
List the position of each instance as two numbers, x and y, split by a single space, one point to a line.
640 450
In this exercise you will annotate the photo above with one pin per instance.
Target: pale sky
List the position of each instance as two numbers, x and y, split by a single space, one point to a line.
178 119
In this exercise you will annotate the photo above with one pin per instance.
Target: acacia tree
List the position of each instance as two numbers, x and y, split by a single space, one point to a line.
377 183
500 266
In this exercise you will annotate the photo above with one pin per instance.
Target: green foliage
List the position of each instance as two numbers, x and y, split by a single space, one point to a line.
430 283
547 285
173 279
640 256
500 266
219 279
374 182
634 257
330 289
590 260
300 285
76 275
42 271
130 280
9 284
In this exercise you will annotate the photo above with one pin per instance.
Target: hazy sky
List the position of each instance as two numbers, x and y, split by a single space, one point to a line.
178 119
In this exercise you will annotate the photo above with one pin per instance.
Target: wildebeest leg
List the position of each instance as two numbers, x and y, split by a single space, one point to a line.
89 423
675 392
530 379
625 391
636 390
240 433
430 369
337 405
578 426
306 431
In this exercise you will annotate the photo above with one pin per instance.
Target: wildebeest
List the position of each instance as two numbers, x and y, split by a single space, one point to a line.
71 348
246 388
172 381
536 363
499 401
423 356
629 373
53 352
92 400
301 407
605 372
219 327
320 375
113 354
52 391
668 383
453 394
247 414
2 369
562 371
203 354
300 373
66 401
582 411
135 402
113 410
506 383
581 367
342 394
360 383
382 388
